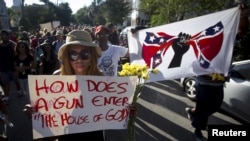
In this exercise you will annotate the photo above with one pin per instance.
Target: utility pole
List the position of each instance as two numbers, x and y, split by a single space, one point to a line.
22 20
22 9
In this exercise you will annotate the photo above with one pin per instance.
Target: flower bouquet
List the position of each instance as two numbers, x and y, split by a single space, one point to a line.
142 71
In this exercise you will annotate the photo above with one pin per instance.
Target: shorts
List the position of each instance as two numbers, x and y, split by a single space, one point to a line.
7 77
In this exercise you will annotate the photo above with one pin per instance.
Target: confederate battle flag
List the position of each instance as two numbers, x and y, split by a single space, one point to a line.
191 47
207 42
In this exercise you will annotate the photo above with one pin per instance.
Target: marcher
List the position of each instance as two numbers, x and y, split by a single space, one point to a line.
59 40
24 64
7 70
243 32
49 61
209 98
111 54
24 37
210 94
35 40
4 118
79 56
113 34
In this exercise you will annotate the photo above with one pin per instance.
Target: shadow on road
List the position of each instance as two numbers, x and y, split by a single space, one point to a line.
160 116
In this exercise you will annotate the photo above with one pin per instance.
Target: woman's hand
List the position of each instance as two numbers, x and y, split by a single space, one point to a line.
133 109
28 110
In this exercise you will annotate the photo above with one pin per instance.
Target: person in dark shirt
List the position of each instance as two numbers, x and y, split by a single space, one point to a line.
113 34
49 61
7 69
24 64
209 98
210 92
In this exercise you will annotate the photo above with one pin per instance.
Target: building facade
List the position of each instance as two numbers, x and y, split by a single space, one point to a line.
17 3
137 17
4 17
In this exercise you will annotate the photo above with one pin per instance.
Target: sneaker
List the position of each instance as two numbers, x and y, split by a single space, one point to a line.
198 135
6 99
189 113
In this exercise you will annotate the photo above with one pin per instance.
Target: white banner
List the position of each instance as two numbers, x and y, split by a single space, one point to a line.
75 104
55 24
201 45
47 26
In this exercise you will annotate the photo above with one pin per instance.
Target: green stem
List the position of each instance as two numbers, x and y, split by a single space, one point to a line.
131 135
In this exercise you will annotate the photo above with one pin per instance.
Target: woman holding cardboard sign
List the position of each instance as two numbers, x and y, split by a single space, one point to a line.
78 56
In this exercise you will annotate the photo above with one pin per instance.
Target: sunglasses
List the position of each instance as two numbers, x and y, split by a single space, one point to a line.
83 55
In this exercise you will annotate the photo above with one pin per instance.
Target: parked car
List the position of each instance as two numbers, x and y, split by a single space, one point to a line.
236 91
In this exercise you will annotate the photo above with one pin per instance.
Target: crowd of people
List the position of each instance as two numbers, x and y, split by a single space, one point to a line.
26 53
82 51
43 53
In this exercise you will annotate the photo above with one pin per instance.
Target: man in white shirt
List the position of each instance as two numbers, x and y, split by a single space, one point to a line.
111 54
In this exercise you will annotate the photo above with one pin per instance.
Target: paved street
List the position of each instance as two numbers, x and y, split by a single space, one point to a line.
160 116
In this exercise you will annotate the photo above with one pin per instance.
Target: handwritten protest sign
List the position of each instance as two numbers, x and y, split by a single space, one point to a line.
75 104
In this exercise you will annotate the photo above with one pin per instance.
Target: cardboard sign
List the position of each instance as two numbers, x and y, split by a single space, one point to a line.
75 104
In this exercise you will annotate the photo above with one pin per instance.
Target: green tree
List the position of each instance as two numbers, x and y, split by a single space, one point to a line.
94 13
36 15
167 11
63 14
115 10
82 17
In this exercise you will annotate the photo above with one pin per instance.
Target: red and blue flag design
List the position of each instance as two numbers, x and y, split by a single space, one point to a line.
206 45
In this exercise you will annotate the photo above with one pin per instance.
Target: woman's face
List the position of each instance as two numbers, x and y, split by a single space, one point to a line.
21 47
79 58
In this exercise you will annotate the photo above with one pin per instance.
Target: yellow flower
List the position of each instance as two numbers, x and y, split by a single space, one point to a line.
154 71
217 77
145 76
142 72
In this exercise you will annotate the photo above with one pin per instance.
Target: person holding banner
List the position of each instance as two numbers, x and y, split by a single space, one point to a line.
210 92
111 55
209 98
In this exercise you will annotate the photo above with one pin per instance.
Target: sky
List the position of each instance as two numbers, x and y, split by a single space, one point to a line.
74 4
